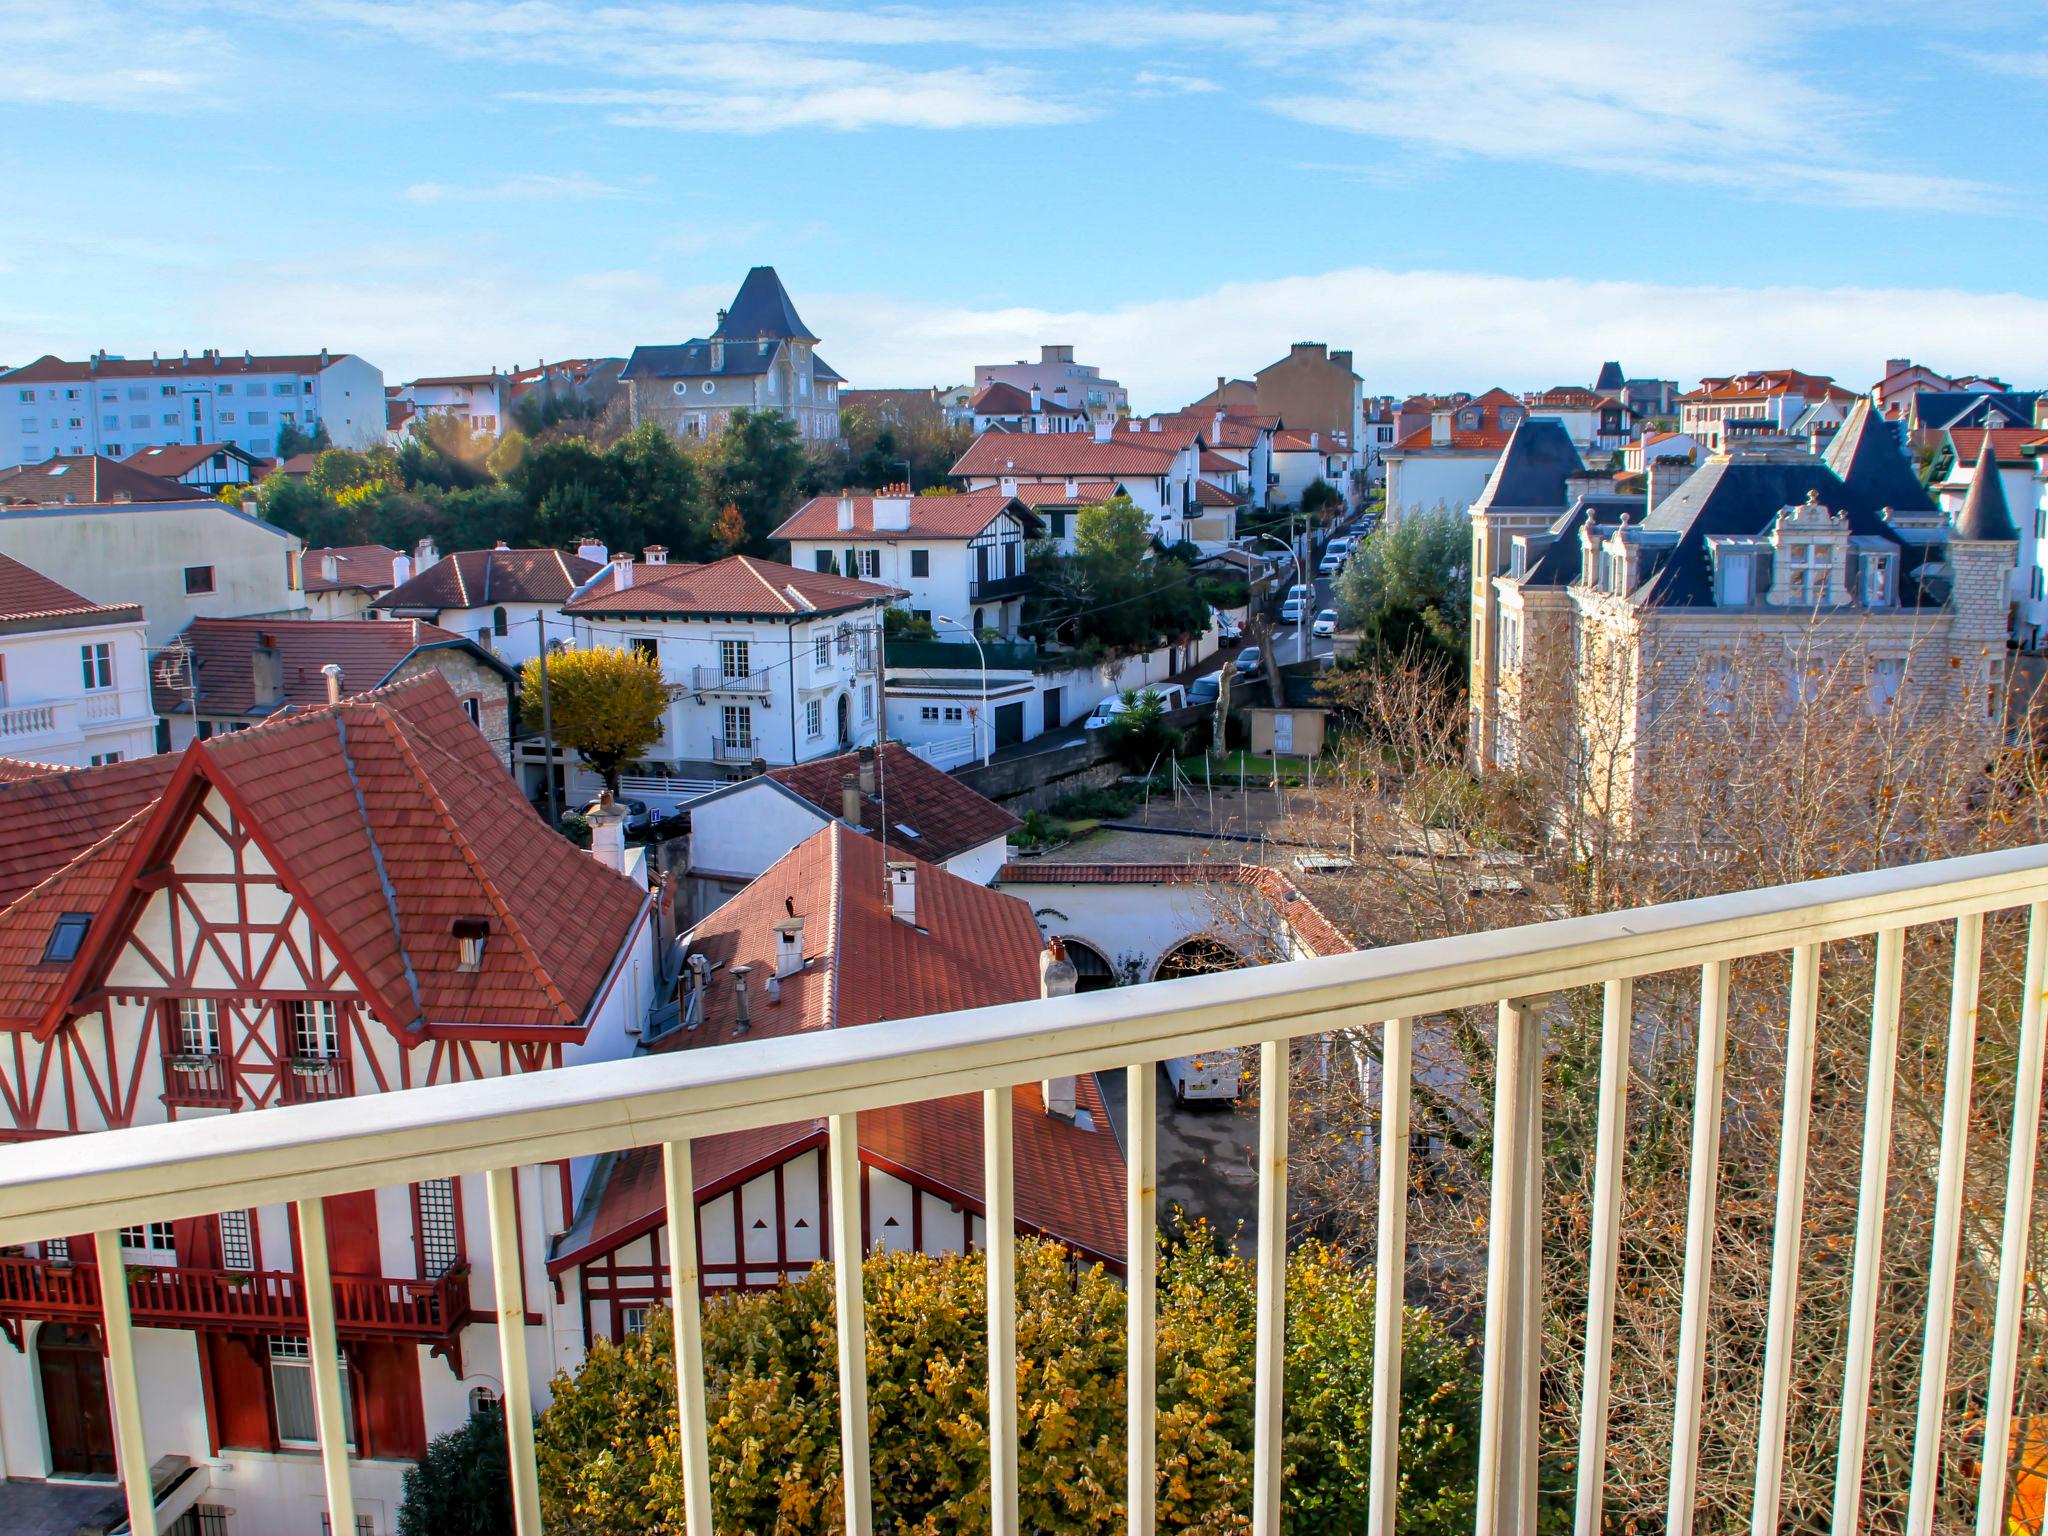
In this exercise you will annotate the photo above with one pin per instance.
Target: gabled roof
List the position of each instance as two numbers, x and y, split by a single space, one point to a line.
51 817
738 586
1069 453
971 947
1864 454
358 568
29 600
1985 516
1935 409
762 307
1463 440
1053 494
51 369
388 816
216 674
999 399
482 578
88 478
171 460
919 811
931 517
1533 467
2014 447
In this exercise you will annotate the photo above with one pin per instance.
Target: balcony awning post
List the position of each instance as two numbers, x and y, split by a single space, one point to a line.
509 1282
323 1350
687 1302
1270 1299
131 1448
1709 1083
1141 1220
1390 1273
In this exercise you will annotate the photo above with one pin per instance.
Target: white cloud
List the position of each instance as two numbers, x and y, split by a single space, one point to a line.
575 187
86 54
1185 85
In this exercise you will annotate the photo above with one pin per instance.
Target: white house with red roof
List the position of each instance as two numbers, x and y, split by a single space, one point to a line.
340 904
837 935
52 408
207 467
74 674
1448 462
344 579
1300 459
1156 466
1059 380
1765 399
768 662
957 557
1006 408
482 402
503 599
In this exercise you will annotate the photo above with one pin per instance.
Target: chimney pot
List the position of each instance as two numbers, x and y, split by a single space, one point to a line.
903 890
332 672
849 799
742 1011
607 832
622 572
1057 977
864 762
789 946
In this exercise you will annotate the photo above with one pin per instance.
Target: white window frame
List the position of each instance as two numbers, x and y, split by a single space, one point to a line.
96 665
294 1358
735 657
151 1237
814 718
737 726
198 1026
314 1021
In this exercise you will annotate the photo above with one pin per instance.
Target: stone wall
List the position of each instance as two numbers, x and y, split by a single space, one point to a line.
470 678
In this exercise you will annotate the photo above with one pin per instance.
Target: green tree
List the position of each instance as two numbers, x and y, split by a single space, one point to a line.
293 440
1320 500
1410 583
606 705
609 1449
661 493
462 1486
759 466
1141 734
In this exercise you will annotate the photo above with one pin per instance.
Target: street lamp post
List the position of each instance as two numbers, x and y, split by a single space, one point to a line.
983 657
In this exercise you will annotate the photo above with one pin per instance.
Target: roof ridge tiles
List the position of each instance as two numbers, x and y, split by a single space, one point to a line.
390 893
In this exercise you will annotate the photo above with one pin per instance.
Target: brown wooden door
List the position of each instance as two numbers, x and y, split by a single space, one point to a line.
75 1401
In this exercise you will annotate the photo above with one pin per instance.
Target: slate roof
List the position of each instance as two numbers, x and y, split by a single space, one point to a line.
931 517
971 947
386 814
1985 516
220 667
930 814
1611 377
1533 466
1865 454
694 360
738 586
481 578
1934 410
31 600
762 307
88 478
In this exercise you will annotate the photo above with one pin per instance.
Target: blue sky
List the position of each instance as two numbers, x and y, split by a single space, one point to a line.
1493 192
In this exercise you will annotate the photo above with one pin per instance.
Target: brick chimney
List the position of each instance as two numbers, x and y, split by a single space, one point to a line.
903 890
849 799
607 832
1056 978
789 947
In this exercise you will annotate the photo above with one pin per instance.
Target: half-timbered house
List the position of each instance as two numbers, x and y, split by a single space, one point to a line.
834 935
347 900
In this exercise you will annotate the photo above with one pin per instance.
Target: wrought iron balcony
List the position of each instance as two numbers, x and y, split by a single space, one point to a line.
103 1182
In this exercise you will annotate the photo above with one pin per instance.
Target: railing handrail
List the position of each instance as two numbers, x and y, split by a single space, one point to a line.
171 1171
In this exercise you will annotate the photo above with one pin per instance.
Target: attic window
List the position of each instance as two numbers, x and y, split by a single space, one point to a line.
908 831
66 938
470 933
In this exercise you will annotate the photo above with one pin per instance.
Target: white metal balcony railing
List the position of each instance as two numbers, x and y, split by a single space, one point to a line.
718 680
104 1182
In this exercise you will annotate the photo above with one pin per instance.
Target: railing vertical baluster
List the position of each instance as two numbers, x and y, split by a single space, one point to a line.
848 1250
1870 1197
686 1302
323 1350
508 1279
1513 1346
2012 1248
1948 1224
999 1188
1710 1074
1270 1338
131 1446
1390 1278
1784 1303
1617 1023
1141 1224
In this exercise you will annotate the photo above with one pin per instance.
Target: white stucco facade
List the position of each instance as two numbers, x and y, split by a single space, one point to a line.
76 696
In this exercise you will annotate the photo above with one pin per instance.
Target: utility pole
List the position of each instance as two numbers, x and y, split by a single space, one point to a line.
547 721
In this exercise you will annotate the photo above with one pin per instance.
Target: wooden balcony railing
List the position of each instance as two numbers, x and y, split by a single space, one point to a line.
199 1079
312 1079
264 1301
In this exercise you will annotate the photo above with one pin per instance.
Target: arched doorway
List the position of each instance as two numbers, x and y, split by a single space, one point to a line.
1197 956
845 719
75 1412
1093 972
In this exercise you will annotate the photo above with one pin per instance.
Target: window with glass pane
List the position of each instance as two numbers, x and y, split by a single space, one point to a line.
315 1028
732 657
439 1246
152 1238
237 1249
97 664
198 1026
291 1386
821 651
739 726
814 718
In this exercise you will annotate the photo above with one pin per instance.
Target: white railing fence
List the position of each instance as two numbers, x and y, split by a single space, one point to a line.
947 752
167 1172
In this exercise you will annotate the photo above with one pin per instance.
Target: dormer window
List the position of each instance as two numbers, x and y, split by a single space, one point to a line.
1735 578
1880 580
470 934
66 938
1806 572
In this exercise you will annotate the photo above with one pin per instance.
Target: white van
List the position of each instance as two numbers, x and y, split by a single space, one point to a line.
1172 695
1213 1075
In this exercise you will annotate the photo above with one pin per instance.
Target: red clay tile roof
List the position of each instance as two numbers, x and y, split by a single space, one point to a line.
2012 446
1765 383
222 661
999 399
1213 463
52 369
737 585
1207 495
47 820
28 597
389 816
972 947
1292 441
359 568
1321 936
483 578
1235 430
86 479
171 460
14 770
1463 440
931 517
946 816
1053 493
1069 453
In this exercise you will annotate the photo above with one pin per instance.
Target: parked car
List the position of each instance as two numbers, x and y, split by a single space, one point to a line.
1172 695
1325 624
1299 590
1338 546
1228 630
1206 690
1249 661
1331 564
638 818
1294 610
1211 1075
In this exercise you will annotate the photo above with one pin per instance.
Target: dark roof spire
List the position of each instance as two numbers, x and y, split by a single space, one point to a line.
1985 517
762 308
1534 467
1865 456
